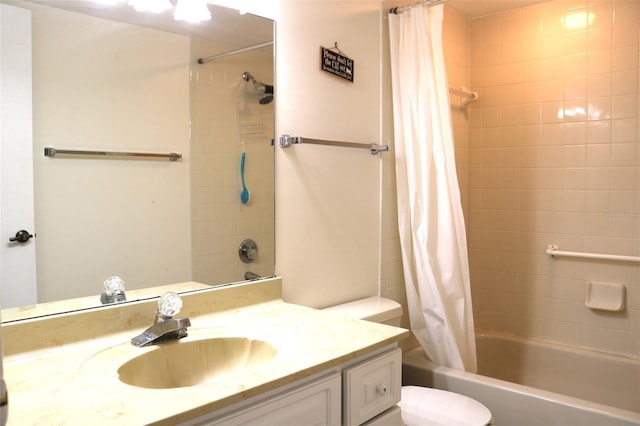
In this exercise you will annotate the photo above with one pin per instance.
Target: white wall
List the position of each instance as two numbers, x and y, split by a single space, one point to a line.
327 198
83 234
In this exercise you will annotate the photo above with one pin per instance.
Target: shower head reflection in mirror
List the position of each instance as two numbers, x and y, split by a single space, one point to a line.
264 90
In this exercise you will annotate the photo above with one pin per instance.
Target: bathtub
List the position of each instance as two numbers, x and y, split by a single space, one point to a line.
525 382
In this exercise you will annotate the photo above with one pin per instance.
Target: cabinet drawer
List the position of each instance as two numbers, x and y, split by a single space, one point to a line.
372 387
392 417
314 404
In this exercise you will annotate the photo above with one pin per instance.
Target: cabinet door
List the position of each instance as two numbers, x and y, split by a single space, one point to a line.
314 404
372 387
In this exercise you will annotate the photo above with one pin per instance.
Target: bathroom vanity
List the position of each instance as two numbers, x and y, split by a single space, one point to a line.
362 392
249 358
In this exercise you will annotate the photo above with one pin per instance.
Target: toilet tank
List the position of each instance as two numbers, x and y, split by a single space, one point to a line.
375 309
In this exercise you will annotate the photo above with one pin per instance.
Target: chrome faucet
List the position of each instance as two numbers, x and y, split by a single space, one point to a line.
165 327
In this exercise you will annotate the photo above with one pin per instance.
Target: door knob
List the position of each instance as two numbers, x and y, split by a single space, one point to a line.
21 237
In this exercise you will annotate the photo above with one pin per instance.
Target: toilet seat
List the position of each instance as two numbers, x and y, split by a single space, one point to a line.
435 407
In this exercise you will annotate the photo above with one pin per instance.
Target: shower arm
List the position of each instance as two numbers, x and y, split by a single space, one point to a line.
246 76
265 90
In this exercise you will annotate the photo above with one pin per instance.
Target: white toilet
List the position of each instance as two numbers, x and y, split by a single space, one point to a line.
420 405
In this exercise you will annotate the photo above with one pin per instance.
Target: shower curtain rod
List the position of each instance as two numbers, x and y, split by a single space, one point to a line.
234 52
401 9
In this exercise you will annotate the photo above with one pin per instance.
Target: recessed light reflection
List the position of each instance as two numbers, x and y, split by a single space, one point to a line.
577 20
594 114
571 112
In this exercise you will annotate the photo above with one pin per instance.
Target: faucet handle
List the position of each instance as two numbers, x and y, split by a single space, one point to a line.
113 290
169 304
113 285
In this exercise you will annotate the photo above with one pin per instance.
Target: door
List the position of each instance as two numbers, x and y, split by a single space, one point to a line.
17 258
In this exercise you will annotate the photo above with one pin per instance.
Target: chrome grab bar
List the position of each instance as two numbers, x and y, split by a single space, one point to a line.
554 251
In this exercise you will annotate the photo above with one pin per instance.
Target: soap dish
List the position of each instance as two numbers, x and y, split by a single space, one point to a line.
605 296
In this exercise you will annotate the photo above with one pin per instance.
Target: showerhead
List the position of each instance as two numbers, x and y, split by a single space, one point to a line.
265 90
267 95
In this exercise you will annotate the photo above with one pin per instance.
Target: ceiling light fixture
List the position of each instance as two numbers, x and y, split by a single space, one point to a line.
109 2
153 6
192 11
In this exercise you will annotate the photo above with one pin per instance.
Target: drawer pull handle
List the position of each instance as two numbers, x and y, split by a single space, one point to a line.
382 389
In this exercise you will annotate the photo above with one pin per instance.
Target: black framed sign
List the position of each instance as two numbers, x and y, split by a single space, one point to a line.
336 63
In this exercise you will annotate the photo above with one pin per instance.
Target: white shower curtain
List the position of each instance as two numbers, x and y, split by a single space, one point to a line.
431 223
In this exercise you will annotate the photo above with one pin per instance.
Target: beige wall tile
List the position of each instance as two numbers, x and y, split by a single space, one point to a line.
571 98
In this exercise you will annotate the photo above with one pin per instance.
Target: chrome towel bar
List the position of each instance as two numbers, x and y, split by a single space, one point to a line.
286 141
554 250
52 152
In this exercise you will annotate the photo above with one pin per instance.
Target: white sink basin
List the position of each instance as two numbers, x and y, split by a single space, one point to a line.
189 363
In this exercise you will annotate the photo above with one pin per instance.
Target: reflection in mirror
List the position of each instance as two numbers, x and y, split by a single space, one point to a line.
124 82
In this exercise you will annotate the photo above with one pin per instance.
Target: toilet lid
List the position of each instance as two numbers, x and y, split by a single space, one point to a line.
427 406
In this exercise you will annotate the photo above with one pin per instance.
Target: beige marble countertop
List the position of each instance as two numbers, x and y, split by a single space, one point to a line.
62 370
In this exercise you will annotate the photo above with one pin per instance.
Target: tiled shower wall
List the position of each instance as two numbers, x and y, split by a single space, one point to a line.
550 154
554 158
227 119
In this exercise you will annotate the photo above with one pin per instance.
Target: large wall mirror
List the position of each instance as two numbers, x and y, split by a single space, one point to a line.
110 79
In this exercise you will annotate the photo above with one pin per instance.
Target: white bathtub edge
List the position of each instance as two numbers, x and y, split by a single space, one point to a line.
510 403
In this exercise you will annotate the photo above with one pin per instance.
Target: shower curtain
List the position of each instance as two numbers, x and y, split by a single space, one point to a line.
430 219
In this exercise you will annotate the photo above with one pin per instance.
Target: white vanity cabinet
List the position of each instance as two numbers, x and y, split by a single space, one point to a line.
361 392
371 388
